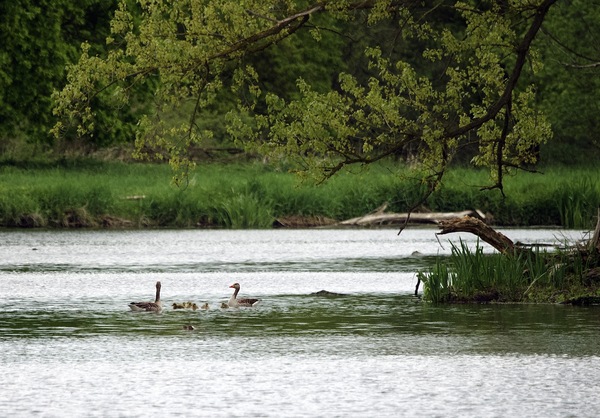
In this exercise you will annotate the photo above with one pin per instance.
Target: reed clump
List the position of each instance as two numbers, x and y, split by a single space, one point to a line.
470 275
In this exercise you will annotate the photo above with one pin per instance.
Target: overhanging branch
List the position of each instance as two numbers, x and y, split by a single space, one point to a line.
522 51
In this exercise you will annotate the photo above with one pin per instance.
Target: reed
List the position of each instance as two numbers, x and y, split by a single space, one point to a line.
244 211
576 201
437 283
18 210
473 276
470 275
528 197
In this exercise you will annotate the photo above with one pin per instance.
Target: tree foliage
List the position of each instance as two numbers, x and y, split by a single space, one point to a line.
38 39
448 75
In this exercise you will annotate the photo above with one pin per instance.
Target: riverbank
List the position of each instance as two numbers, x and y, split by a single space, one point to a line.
95 194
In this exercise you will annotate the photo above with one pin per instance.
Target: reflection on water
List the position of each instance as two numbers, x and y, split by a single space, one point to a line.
71 347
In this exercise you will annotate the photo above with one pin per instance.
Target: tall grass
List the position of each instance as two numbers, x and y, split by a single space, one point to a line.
474 276
253 195
560 196
577 200
469 275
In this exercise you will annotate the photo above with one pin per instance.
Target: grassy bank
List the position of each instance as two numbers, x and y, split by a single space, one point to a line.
97 194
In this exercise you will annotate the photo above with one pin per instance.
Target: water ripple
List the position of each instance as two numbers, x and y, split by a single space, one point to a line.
356 264
71 347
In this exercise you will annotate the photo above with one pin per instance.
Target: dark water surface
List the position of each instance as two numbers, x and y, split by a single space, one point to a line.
70 346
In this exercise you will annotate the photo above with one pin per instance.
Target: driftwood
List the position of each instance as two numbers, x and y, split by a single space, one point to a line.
475 226
380 217
498 240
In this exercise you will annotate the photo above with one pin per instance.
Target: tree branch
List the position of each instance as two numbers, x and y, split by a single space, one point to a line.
273 30
571 51
475 226
522 50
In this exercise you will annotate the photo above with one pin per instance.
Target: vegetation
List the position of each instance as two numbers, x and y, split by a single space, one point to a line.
39 39
454 76
89 193
312 48
315 87
533 276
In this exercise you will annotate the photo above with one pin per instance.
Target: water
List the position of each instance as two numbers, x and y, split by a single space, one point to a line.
70 346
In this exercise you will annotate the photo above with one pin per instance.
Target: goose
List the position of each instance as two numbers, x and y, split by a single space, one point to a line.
234 302
224 305
204 306
155 306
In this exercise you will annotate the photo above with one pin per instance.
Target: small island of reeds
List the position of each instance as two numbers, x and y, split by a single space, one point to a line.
516 272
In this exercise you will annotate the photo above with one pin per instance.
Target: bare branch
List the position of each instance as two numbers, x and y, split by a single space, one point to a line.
571 51
593 65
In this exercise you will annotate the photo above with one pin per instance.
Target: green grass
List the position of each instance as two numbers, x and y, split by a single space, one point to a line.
560 196
469 275
473 275
253 195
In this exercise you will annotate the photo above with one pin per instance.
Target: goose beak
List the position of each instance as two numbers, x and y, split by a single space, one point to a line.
231 287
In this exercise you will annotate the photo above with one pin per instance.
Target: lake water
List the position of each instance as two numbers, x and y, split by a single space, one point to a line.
70 347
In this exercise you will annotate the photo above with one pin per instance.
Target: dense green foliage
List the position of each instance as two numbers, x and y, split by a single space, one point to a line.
94 194
569 82
38 41
333 83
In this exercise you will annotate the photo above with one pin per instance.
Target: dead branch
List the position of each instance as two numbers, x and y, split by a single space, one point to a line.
487 234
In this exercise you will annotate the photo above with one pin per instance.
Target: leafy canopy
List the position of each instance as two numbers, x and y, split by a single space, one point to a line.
445 77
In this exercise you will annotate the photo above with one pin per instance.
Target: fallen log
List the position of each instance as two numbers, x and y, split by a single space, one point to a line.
380 218
475 226
498 240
